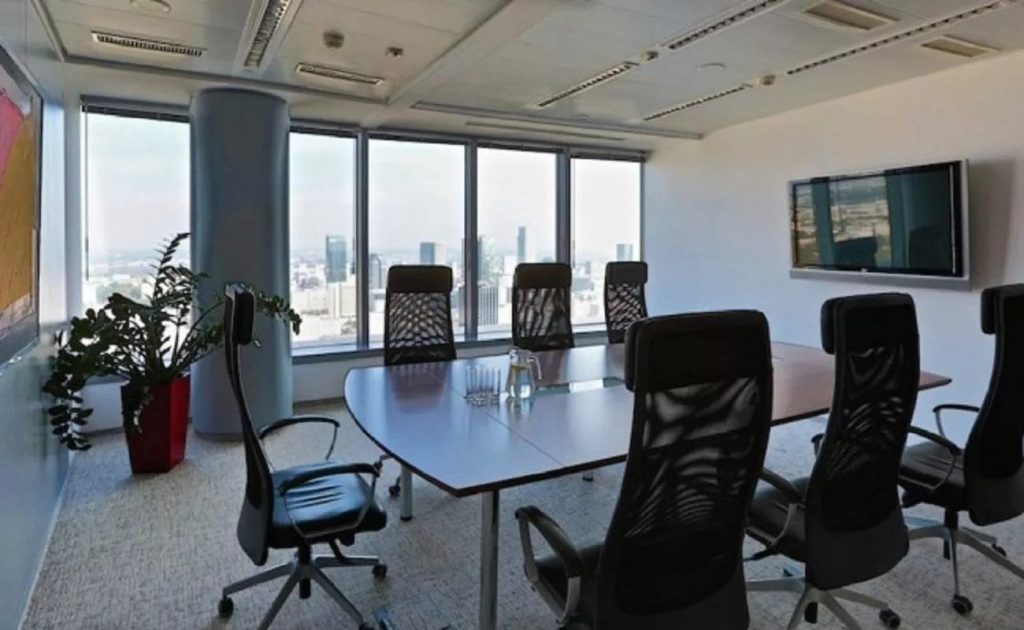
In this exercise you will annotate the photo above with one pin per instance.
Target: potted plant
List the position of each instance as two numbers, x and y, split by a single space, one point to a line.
151 344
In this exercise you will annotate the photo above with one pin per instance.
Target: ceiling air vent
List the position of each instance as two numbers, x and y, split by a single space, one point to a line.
721 23
845 15
146 44
896 38
959 47
698 101
270 21
593 81
336 74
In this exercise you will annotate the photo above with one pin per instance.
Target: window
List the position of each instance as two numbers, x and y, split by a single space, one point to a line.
322 232
136 194
416 216
516 216
605 226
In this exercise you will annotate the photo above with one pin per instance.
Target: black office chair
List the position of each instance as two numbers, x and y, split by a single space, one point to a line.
624 300
541 294
986 477
417 329
672 556
295 508
844 522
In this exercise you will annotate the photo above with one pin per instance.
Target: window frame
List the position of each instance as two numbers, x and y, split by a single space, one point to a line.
471 145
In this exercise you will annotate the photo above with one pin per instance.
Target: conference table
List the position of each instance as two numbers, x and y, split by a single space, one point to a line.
579 419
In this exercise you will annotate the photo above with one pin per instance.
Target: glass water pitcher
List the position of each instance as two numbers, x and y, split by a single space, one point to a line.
523 374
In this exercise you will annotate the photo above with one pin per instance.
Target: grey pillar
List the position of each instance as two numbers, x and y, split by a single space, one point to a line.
240 234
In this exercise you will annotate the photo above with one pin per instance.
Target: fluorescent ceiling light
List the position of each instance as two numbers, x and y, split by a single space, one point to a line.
556 132
697 101
270 21
586 84
845 15
336 74
135 42
721 23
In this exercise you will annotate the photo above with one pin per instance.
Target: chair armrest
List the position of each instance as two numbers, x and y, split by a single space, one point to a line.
816 442
942 441
796 500
938 409
287 422
953 449
566 552
555 536
326 471
781 483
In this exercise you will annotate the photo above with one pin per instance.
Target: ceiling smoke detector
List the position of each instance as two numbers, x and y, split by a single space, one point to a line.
333 40
394 51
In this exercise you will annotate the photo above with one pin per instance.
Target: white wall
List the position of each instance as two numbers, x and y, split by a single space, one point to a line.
717 233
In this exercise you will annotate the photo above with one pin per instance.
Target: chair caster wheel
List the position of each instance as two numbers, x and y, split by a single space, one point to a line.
225 607
367 626
811 613
889 618
996 548
395 490
962 605
380 571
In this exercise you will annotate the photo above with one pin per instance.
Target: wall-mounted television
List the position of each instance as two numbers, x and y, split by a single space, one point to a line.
908 222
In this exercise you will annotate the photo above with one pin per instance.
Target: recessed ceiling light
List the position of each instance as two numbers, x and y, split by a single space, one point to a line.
159 5
959 47
838 13
586 84
710 68
266 28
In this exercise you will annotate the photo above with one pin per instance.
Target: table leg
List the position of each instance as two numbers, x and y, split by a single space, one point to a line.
406 494
489 561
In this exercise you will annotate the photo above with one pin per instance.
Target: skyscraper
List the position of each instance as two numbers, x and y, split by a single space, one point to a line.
624 251
484 251
376 272
488 305
522 255
432 253
336 253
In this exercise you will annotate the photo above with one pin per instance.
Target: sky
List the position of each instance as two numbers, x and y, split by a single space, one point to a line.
138 192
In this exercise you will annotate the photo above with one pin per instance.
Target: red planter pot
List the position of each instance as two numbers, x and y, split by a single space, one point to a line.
160 446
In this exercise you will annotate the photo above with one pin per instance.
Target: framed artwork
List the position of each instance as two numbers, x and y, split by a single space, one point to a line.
20 135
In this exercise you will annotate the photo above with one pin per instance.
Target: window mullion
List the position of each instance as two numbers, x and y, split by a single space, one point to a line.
471 253
362 240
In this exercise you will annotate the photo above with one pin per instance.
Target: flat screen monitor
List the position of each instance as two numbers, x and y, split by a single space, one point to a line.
908 221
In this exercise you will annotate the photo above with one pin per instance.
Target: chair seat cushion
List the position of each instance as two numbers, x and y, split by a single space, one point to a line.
321 508
926 465
768 518
551 571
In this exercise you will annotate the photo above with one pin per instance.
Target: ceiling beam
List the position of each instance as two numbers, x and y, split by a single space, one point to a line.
504 25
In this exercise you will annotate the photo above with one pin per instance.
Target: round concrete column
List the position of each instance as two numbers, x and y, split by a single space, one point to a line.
240 234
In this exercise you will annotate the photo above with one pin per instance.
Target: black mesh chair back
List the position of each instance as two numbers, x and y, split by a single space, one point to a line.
624 299
993 469
541 293
418 315
854 522
257 508
702 388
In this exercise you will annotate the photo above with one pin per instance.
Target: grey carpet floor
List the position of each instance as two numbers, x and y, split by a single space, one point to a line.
154 551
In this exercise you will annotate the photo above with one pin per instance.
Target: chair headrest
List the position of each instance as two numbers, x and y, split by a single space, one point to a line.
626 273
543 276
695 348
993 300
870 319
239 312
420 279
